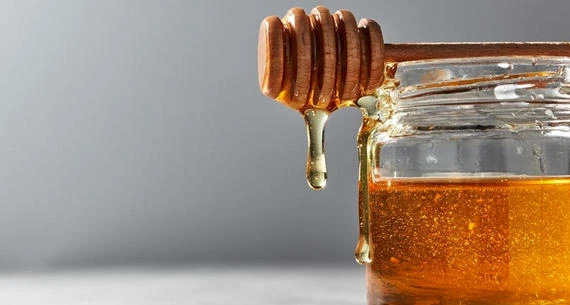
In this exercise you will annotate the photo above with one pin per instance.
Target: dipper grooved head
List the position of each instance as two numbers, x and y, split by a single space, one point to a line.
319 61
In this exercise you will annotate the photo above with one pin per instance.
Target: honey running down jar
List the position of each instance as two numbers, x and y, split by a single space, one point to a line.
464 171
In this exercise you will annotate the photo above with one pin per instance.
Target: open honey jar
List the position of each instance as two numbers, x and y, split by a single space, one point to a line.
464 173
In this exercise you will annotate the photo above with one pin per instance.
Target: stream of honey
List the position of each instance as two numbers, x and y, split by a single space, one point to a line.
469 241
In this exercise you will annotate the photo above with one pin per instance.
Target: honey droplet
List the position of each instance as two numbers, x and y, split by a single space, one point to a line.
362 252
315 121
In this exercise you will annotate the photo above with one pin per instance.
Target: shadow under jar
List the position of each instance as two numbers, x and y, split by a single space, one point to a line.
467 191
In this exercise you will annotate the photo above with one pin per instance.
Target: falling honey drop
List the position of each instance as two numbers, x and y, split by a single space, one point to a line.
315 121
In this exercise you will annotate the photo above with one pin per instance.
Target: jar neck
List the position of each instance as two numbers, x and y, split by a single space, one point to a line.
488 93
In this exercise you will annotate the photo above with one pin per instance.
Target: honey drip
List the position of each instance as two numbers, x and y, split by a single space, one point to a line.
368 108
315 121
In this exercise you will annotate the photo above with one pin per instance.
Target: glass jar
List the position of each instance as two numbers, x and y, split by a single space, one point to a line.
465 182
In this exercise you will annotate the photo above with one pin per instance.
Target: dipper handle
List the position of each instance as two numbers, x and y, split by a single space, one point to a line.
325 61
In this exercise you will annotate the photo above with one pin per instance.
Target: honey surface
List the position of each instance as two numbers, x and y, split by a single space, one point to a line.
470 241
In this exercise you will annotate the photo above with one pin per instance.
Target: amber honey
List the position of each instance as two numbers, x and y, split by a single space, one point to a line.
469 241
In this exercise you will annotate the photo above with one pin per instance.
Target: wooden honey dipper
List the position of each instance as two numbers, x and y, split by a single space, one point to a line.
320 62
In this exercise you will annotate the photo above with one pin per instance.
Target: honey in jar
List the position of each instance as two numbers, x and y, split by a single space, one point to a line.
495 240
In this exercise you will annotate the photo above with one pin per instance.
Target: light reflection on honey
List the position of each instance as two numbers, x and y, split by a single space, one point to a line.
469 241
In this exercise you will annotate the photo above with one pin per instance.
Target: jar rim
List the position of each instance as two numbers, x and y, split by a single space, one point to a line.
494 92
421 73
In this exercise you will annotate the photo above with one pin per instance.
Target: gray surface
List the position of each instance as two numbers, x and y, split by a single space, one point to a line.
203 286
133 132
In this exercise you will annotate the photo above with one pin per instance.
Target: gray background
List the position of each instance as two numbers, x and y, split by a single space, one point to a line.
133 132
